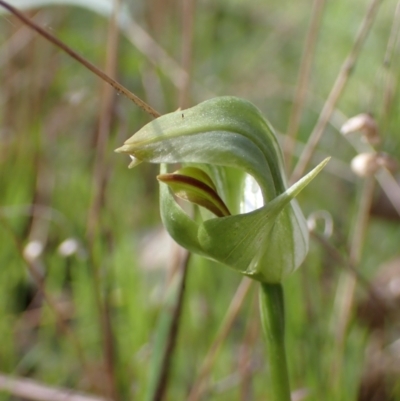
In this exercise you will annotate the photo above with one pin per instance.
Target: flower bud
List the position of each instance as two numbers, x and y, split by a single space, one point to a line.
365 124
367 164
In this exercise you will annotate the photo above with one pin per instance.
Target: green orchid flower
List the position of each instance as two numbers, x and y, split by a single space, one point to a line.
226 145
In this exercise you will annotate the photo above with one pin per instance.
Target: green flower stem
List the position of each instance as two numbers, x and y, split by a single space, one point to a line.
272 318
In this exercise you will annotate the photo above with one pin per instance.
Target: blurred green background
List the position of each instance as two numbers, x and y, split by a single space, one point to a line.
72 211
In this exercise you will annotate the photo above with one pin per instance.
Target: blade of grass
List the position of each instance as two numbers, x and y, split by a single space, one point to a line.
188 12
198 387
303 81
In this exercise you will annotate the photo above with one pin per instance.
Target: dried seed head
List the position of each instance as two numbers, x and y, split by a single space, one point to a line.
367 164
365 124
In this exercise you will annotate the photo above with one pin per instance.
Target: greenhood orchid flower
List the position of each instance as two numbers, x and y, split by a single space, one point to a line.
224 144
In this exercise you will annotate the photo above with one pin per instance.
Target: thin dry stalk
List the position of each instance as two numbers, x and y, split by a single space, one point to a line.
390 85
337 90
117 86
104 126
303 81
183 260
188 11
32 390
100 175
344 298
234 308
393 37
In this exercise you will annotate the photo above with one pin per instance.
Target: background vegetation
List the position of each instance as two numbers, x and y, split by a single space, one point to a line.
84 266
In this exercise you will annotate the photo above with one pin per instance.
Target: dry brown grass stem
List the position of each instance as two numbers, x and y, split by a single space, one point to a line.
393 37
234 308
337 90
344 298
101 171
117 86
182 260
20 39
303 81
31 390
